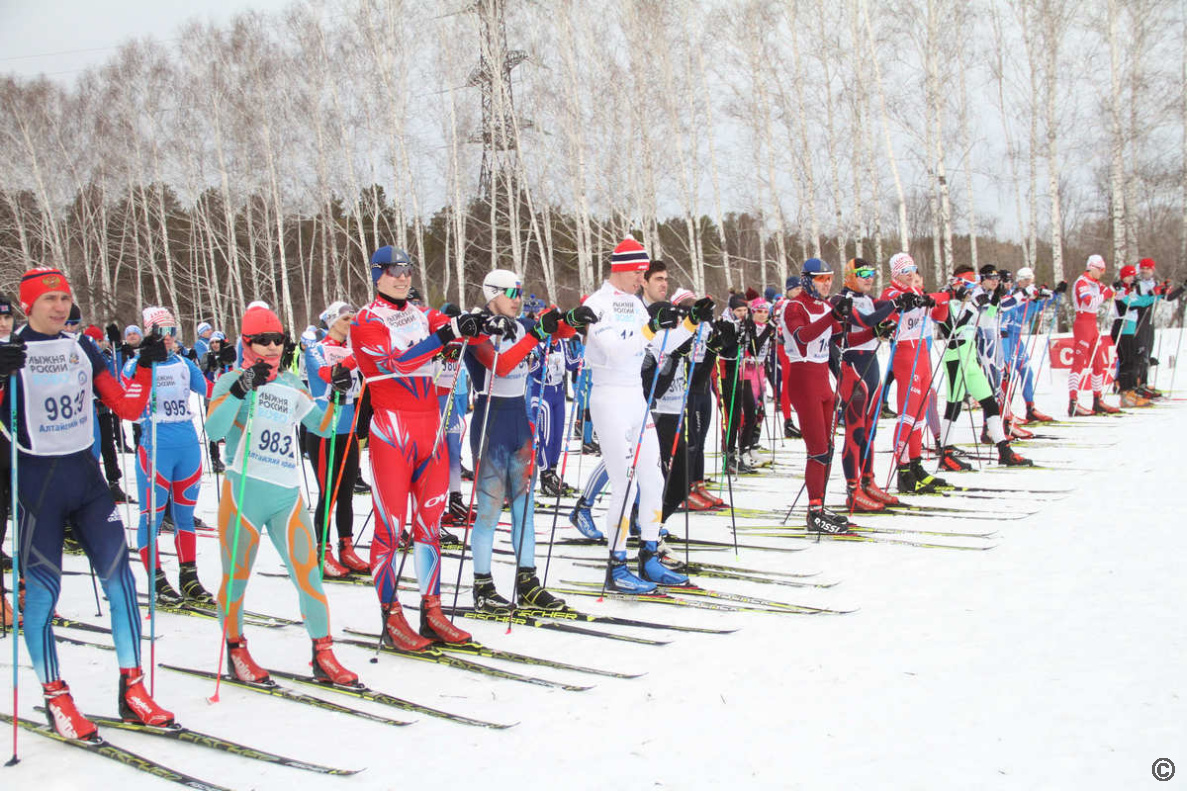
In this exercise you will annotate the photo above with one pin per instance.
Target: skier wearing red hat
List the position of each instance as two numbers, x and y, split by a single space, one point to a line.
1088 294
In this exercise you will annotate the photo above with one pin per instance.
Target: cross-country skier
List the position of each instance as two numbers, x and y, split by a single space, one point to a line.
1088 294
53 376
1032 302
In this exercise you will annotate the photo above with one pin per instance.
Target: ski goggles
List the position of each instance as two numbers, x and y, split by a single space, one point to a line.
268 339
513 293
167 331
398 270
865 272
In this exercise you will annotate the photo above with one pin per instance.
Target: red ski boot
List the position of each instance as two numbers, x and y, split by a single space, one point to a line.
241 665
951 462
703 491
858 502
349 558
398 633
875 492
1035 416
1074 409
435 626
64 717
326 666
135 703
698 502
1018 432
1008 458
332 568
1099 407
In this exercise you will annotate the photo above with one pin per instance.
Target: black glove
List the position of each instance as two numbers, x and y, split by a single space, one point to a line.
251 378
451 310
1117 285
152 350
192 353
925 301
113 335
581 317
998 293
1062 287
227 355
12 356
1044 293
885 329
959 291
467 325
499 325
982 299
548 323
724 336
906 301
341 378
842 306
702 310
290 351
663 316
1152 361
210 361
127 350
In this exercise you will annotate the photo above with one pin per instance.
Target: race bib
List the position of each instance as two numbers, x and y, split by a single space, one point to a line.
273 455
171 391
336 354
407 328
56 386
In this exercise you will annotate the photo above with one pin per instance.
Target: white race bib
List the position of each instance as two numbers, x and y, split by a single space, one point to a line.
57 391
172 392
274 455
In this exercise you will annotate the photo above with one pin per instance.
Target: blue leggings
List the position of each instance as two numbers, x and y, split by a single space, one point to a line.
52 490
453 438
179 477
1020 365
504 471
552 428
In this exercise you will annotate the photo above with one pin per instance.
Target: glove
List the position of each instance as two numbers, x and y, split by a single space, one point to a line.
210 361
1062 287
227 355
12 356
127 350
725 335
340 378
959 291
290 351
663 316
499 325
885 329
842 307
548 323
925 301
251 379
452 310
998 293
1044 293
1117 285
113 335
192 353
580 317
152 350
982 299
1152 361
906 301
465 325
702 310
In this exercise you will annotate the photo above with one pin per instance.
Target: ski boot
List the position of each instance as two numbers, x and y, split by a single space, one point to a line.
349 558
1132 400
361 487
486 598
1099 407
857 501
652 570
703 490
926 477
168 525
697 502
875 492
242 666
5 561
398 633
582 519
64 717
218 467
405 541
200 525
191 586
822 520
790 431
457 512
1006 456
736 466
619 578
6 613
1018 432
550 485
591 448
467 473
435 626
327 668
447 539
909 484
118 495
1035 416
165 593
332 568
135 703
985 438
1075 410
951 462
530 593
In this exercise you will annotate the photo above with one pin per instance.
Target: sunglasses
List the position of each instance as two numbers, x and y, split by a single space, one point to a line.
513 293
398 270
268 339
864 273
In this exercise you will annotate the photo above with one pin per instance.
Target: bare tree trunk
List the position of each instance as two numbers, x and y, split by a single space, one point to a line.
1053 28
966 141
999 73
1117 139
904 234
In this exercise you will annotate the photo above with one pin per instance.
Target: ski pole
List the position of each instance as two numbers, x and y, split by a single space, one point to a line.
680 424
152 534
229 585
16 559
1050 332
876 401
327 463
354 422
1178 350
568 438
910 383
630 474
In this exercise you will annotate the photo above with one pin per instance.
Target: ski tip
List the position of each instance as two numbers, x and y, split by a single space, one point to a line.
13 761
375 660
213 699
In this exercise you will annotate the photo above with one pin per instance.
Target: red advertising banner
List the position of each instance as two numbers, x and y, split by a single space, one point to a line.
1063 352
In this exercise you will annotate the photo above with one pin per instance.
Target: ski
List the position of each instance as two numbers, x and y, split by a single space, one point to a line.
519 619
353 579
83 626
75 641
673 540
868 539
196 611
697 590
475 648
182 734
659 597
438 657
569 614
274 689
366 693
873 530
99 746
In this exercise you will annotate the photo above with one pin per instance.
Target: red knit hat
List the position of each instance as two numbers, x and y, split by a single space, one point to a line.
1129 270
629 256
41 280
259 320
93 332
1146 263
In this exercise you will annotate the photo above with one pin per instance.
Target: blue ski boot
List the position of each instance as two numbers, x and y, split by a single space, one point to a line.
583 520
619 577
652 570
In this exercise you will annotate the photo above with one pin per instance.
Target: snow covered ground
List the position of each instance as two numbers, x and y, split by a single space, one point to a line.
1052 660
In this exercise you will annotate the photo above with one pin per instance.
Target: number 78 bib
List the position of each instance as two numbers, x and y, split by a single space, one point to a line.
273 456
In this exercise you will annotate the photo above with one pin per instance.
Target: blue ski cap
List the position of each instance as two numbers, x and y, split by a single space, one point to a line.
770 293
387 256
813 267
793 281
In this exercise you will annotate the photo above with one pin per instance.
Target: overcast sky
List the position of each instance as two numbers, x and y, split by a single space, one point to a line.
60 38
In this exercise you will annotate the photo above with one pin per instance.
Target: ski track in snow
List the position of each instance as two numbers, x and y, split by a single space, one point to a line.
1052 661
